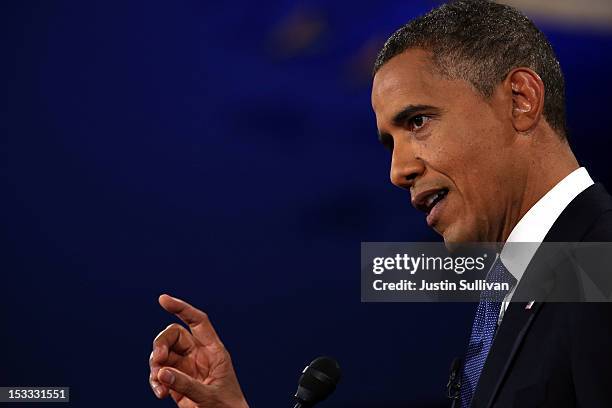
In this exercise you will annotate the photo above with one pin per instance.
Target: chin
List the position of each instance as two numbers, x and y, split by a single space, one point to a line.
455 235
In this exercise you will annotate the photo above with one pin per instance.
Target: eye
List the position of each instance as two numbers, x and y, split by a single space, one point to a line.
417 122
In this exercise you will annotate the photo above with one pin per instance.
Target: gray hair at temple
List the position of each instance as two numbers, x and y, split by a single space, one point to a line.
481 42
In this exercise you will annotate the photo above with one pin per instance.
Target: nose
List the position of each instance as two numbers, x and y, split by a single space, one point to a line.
406 167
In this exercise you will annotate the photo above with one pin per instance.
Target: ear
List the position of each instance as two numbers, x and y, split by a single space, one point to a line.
527 98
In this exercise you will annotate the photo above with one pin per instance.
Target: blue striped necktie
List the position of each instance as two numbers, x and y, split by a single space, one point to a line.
483 331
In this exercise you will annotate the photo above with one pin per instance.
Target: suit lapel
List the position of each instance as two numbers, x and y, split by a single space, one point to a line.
510 335
571 226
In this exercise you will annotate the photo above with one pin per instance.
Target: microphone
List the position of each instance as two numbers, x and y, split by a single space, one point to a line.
317 382
453 388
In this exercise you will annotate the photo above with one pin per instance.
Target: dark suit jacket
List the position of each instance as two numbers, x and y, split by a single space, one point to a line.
555 354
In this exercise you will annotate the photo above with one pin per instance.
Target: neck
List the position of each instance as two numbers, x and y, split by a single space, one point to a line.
550 161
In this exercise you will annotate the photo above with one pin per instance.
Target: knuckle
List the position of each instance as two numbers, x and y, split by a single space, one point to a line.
164 333
173 326
156 340
159 338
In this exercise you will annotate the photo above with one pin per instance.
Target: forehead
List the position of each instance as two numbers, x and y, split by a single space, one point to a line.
410 79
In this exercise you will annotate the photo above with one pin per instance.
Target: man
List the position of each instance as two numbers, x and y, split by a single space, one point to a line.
470 100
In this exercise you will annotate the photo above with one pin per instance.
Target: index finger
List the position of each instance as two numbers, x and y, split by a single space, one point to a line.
197 320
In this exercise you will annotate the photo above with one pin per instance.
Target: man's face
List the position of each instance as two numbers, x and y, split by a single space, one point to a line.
453 149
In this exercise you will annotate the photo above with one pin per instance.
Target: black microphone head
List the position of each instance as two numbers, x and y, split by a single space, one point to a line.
318 381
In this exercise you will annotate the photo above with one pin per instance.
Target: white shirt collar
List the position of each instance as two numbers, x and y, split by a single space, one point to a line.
535 224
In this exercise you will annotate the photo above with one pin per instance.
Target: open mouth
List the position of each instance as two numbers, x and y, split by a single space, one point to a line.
431 202
433 199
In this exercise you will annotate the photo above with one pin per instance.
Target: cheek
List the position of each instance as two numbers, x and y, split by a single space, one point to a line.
472 157
464 162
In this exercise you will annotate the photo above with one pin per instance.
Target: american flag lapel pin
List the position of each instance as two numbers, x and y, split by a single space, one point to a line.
528 305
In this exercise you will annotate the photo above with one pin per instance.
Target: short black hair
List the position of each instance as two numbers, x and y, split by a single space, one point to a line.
481 42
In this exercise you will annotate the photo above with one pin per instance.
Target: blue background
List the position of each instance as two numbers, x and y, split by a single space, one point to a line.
225 153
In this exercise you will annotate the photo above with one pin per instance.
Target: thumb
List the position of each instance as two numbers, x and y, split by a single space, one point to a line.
183 384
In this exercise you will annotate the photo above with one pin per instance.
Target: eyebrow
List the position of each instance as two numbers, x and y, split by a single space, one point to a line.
400 118
406 113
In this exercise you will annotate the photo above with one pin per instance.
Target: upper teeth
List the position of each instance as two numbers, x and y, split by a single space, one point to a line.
432 198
